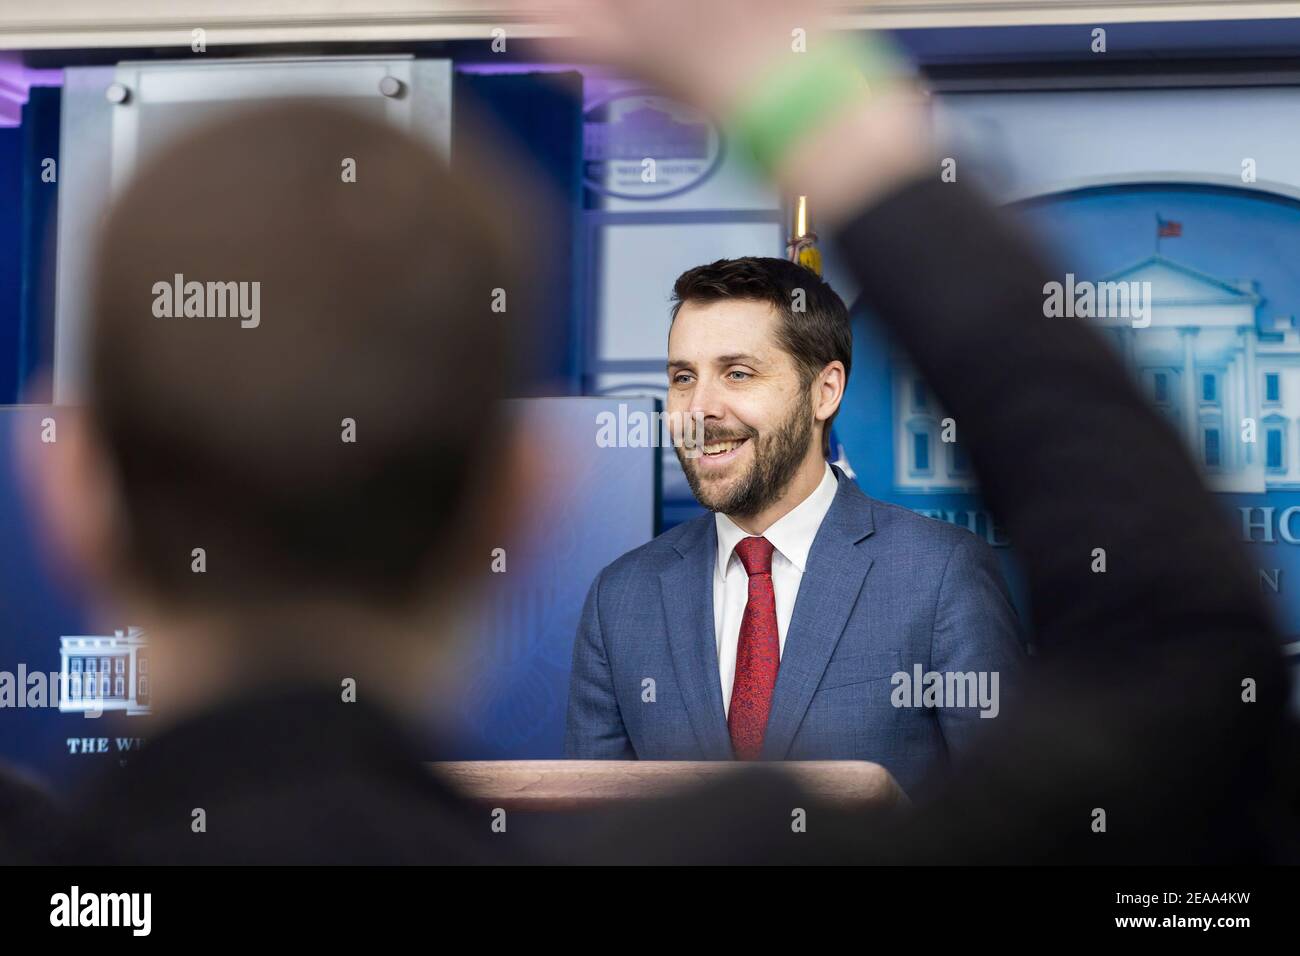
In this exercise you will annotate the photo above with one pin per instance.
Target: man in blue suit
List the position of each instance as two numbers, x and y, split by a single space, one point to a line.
801 620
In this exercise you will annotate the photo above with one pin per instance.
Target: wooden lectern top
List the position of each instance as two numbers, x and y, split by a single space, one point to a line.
577 784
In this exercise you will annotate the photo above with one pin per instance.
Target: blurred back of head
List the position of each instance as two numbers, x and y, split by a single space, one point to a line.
313 309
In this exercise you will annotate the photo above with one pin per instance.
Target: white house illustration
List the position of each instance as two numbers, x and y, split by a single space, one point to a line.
1207 360
105 673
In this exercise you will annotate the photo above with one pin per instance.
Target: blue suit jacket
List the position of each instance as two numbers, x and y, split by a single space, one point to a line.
884 589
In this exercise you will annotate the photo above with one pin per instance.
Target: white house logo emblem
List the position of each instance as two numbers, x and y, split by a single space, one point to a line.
105 673
1208 360
645 146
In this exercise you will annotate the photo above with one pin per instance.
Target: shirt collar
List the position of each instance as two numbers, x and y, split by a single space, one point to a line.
792 534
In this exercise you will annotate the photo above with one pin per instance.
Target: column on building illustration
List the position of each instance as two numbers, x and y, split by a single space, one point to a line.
1190 424
1230 421
1247 335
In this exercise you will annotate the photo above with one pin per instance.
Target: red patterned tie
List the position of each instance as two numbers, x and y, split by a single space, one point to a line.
758 654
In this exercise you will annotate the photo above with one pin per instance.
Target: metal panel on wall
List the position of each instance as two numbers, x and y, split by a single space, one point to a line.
115 116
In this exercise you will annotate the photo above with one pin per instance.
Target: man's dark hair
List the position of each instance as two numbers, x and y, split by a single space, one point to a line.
814 337
376 306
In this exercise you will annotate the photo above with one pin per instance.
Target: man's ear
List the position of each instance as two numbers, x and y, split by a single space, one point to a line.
67 484
828 390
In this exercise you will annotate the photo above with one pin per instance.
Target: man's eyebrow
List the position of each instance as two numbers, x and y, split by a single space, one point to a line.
741 358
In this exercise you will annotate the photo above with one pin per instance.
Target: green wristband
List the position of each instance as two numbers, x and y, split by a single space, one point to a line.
799 95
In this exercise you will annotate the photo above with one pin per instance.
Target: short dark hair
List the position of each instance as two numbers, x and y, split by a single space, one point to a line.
814 337
377 302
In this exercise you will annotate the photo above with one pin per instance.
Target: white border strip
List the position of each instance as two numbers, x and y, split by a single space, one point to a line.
128 23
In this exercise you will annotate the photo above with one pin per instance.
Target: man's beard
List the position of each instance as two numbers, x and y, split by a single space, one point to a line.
777 457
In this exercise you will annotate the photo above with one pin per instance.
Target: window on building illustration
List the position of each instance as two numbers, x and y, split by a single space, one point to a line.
120 665
119 687
74 686
142 689
90 664
142 664
1212 448
75 665
1272 387
920 451
1161 383
1208 390
919 395
1274 457
960 462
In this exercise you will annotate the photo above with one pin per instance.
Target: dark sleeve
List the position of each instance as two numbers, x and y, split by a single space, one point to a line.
1136 707
975 633
34 826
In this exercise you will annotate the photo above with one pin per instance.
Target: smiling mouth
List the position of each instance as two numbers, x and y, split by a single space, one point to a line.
716 451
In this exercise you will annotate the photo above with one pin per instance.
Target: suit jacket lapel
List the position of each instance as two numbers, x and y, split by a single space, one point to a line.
831 583
688 606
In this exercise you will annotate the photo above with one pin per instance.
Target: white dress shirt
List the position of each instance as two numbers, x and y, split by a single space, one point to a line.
792 537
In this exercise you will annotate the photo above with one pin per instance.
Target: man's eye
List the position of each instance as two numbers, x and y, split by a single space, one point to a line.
682 378
734 372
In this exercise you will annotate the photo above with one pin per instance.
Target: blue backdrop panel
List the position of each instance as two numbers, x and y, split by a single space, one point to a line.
11 234
40 204
1230 239
28 199
35 612
537 119
1244 239
592 504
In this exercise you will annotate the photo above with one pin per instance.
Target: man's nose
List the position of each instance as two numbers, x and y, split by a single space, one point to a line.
706 399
